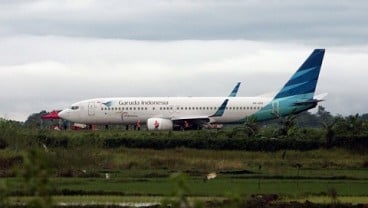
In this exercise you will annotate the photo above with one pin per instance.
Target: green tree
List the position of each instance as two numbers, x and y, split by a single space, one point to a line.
329 131
34 120
307 119
364 116
324 115
287 126
251 127
351 125
9 133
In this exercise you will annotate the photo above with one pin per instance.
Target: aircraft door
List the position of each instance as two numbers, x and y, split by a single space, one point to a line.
91 108
276 108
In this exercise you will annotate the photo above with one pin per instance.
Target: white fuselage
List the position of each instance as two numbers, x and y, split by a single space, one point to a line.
130 110
166 113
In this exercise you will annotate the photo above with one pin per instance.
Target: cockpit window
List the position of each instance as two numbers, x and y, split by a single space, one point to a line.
75 107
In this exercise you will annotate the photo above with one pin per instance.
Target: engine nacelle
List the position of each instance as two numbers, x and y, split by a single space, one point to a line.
159 124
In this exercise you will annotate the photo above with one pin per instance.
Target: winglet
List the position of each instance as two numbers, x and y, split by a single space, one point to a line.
235 90
221 109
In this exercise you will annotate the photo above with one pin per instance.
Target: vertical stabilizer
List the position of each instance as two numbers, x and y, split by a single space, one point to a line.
304 81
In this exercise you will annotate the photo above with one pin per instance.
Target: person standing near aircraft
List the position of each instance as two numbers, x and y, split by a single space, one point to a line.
138 125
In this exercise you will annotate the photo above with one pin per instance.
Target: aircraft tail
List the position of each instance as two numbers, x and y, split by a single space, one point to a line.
303 82
298 93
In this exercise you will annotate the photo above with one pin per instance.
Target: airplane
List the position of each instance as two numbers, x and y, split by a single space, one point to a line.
168 113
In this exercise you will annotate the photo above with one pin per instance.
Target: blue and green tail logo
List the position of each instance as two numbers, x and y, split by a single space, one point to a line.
304 81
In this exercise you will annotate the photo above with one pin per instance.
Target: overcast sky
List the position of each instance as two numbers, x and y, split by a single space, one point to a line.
55 53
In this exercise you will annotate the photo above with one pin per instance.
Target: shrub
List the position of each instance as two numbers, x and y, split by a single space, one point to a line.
3 144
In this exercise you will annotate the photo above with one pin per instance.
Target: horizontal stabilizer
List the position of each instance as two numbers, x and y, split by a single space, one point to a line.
315 100
320 96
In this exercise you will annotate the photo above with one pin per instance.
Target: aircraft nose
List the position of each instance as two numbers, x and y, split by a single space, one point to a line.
64 114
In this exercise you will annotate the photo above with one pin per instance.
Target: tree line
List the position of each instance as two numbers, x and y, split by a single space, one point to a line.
304 131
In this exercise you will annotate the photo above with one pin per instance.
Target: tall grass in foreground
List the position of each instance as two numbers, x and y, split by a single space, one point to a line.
77 160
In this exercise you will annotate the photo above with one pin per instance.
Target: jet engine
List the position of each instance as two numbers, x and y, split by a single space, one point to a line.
159 124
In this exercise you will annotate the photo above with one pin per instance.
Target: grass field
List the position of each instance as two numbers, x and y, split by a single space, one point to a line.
145 175
221 186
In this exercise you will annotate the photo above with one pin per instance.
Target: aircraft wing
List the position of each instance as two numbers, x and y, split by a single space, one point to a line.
191 118
220 111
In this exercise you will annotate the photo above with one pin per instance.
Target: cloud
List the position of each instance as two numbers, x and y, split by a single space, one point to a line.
308 22
54 53
46 73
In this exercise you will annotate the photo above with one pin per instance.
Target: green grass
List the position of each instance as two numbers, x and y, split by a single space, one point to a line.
111 199
221 186
328 200
144 173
